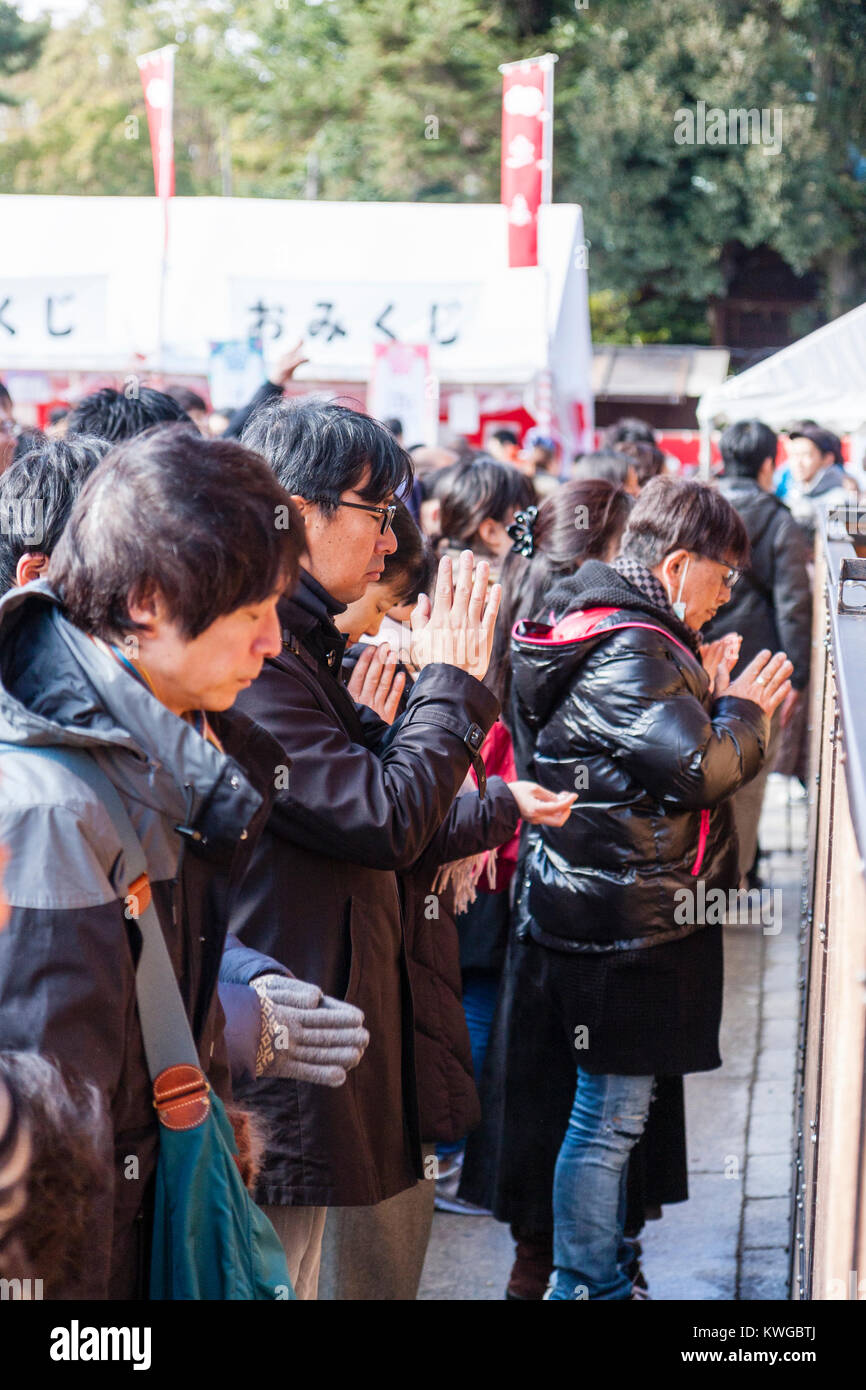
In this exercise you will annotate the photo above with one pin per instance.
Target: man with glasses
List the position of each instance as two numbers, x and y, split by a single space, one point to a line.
771 606
356 802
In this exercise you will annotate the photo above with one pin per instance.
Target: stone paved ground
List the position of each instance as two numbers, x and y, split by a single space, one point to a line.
730 1240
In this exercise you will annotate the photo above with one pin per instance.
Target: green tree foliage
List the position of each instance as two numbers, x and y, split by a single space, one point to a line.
20 45
660 214
399 99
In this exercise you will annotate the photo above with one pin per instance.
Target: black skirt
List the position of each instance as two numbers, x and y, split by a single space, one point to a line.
650 1012
653 1012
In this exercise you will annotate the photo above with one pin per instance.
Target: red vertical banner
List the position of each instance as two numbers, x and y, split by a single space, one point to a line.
157 77
527 150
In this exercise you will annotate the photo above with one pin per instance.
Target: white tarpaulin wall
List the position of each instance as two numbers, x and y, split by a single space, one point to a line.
822 377
79 286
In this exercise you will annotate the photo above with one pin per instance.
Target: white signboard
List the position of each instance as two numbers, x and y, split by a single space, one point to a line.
463 413
50 315
346 321
236 370
403 387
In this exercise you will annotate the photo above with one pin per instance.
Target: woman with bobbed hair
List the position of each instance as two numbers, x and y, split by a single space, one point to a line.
617 698
478 499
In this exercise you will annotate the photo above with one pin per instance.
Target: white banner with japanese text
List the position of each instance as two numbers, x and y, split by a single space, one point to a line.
47 316
344 321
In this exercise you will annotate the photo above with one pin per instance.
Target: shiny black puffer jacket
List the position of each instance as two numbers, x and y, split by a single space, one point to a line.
625 718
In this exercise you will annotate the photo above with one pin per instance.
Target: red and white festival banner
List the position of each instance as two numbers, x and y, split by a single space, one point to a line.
157 77
527 151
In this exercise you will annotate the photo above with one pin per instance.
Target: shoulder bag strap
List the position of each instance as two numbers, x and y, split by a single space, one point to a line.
165 1028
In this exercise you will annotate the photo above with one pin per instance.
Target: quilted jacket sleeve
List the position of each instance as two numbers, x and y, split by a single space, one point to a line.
633 699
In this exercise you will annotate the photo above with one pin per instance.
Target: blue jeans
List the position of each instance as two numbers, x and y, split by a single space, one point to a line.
480 993
589 1186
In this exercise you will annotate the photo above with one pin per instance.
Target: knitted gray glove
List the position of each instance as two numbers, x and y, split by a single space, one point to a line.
306 1035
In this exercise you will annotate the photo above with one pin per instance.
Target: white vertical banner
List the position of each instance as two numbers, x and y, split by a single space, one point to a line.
402 386
157 78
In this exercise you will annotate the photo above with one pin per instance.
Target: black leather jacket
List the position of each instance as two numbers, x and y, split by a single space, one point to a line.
360 805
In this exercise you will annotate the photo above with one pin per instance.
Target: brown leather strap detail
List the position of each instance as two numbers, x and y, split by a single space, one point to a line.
180 1097
139 893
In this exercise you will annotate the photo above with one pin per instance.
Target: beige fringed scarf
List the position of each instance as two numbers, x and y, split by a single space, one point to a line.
463 876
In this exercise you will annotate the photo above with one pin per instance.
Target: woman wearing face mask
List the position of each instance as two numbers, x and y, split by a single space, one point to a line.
617 699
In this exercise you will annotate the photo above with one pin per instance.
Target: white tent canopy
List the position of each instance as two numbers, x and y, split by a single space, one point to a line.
822 377
80 277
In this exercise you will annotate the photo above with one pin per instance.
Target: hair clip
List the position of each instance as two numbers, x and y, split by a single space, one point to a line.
520 531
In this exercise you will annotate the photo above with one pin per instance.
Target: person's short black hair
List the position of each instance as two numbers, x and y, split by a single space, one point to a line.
824 440
201 521
683 514
506 436
408 569
628 430
606 464
37 494
5 398
187 400
745 445
59 413
395 425
319 450
114 415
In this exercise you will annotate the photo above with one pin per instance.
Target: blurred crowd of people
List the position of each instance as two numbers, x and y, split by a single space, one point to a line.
423 746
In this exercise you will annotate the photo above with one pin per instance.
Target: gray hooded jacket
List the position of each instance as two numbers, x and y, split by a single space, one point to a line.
67 957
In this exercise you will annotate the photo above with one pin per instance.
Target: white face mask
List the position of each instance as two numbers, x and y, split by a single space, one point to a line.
678 604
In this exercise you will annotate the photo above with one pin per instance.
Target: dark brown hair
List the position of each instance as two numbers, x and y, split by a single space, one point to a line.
408 569
69 1172
825 441
202 521
682 514
648 459
582 520
628 429
473 491
607 464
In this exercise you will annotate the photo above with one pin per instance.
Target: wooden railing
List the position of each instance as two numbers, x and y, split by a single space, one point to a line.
829 1216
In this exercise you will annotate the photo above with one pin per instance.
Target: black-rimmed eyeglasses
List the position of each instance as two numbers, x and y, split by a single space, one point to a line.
386 513
731 575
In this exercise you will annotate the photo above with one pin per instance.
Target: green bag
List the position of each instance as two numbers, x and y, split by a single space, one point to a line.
210 1240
